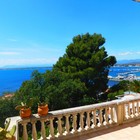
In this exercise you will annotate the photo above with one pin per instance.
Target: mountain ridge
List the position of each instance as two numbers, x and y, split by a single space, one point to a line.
129 61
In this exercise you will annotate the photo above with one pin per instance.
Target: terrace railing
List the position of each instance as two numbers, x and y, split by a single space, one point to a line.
68 123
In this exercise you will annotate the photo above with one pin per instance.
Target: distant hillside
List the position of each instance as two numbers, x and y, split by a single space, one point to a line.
133 61
25 66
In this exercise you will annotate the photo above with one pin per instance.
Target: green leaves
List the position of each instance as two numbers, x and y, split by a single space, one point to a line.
4 133
25 105
86 59
77 77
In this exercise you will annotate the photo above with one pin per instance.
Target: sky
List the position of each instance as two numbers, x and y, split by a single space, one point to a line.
37 32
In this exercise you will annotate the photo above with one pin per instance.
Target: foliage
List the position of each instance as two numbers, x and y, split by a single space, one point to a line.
58 90
25 105
126 85
87 100
7 109
122 85
76 79
4 133
112 96
135 86
87 60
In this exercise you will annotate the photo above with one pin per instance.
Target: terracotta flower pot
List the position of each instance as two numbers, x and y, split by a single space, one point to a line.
25 113
43 110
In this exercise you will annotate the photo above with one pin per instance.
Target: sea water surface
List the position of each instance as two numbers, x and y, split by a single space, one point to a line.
11 79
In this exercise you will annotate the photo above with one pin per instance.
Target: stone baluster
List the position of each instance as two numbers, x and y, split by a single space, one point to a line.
51 128
67 125
81 122
25 134
74 123
100 117
88 121
34 133
111 115
95 117
129 110
91 119
91 116
137 108
60 133
43 134
114 114
133 107
138 105
107 115
126 111
17 130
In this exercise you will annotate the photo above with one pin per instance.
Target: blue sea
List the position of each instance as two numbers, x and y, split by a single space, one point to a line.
115 71
11 79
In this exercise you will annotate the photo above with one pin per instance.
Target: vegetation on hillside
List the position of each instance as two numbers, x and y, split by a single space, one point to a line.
86 59
76 79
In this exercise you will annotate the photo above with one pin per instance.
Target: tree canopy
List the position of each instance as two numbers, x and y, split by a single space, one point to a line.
76 78
86 59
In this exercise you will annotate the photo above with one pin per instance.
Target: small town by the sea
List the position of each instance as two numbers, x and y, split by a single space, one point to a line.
119 73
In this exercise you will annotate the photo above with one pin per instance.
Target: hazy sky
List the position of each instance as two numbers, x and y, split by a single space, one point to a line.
37 32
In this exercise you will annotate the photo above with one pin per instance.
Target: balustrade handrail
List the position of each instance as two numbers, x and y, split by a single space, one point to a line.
90 107
87 107
120 112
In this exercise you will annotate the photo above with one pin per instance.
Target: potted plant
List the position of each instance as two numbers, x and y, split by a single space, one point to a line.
42 107
25 108
6 134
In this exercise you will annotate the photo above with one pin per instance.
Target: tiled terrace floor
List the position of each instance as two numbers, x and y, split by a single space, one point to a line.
128 131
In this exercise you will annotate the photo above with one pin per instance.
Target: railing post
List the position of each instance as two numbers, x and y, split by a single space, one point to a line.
43 133
25 134
88 121
52 135
34 133
60 131
67 125
120 113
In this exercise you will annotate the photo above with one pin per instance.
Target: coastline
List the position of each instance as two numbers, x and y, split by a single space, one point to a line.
12 78
24 68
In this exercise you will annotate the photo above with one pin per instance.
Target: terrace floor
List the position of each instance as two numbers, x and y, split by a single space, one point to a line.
128 131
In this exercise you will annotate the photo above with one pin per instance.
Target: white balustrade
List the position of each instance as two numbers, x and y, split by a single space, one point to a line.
34 133
132 109
52 135
43 134
74 130
67 125
88 121
71 122
25 135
